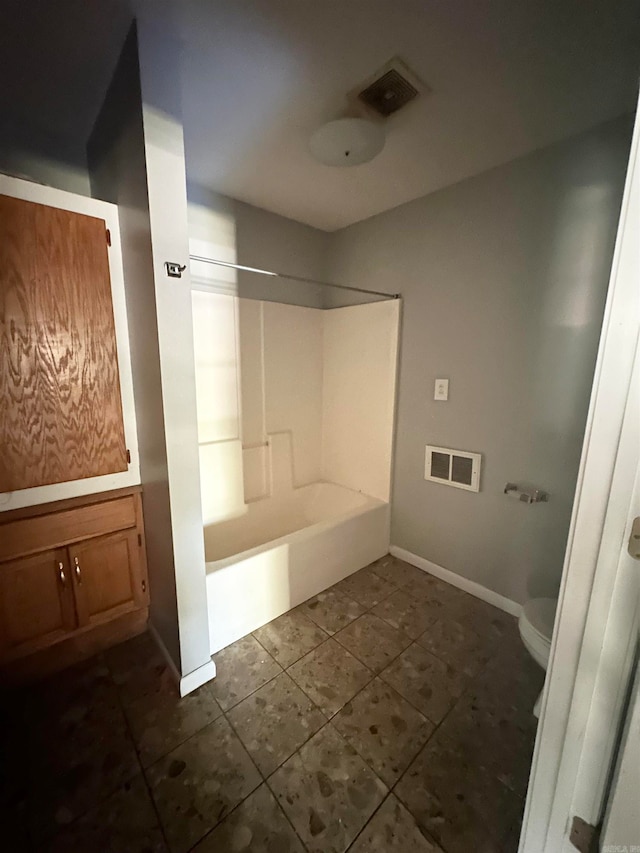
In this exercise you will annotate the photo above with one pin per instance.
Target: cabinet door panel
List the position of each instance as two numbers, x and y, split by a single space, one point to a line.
36 602
105 575
61 417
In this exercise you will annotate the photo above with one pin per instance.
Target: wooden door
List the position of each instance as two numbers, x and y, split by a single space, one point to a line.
36 602
61 412
107 576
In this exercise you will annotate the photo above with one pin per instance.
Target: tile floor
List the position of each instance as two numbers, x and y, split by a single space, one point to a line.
391 713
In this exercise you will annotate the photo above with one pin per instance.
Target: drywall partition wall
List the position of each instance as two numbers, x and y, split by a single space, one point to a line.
160 63
59 172
360 346
118 174
503 278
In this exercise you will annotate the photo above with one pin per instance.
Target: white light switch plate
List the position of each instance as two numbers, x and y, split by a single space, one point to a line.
441 390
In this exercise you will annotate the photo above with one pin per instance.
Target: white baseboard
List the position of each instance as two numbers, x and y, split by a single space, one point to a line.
455 579
199 676
186 683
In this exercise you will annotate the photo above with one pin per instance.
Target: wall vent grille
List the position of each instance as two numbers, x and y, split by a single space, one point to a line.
458 468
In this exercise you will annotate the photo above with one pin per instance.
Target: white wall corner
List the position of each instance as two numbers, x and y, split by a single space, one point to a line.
459 581
192 680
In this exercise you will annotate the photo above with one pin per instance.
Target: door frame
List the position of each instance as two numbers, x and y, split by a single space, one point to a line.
581 704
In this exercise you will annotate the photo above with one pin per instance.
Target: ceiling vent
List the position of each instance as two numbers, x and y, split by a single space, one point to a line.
391 89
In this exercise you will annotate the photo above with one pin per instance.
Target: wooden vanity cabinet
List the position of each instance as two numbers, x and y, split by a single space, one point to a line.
70 568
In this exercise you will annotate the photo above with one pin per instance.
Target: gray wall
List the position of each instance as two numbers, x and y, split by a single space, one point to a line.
268 241
118 174
504 278
44 160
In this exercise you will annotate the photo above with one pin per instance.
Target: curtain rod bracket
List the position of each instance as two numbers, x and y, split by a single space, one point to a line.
174 269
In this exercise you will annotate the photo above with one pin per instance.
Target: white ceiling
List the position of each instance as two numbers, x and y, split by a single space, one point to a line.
507 76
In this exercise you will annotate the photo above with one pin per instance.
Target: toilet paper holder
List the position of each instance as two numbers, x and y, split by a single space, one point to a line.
528 496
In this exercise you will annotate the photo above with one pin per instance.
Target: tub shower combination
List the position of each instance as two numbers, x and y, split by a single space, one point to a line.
295 424
286 549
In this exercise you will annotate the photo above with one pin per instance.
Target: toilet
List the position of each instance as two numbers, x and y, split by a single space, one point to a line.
536 629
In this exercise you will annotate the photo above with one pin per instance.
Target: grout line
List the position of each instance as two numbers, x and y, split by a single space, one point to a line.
255 690
143 770
328 720
288 819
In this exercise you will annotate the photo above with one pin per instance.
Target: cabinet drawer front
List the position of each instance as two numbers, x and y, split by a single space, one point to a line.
30 535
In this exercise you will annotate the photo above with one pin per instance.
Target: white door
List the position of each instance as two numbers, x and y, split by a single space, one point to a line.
596 631
621 830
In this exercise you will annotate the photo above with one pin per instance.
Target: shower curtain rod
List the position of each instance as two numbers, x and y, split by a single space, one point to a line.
293 277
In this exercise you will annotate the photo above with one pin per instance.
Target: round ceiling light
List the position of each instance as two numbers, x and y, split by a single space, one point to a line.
347 142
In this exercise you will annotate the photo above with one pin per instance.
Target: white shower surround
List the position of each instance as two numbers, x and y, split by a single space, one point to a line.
326 533
296 411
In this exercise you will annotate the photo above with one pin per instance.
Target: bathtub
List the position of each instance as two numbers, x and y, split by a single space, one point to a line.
285 549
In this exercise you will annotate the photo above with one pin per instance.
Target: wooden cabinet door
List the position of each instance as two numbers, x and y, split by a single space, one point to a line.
61 413
36 602
107 576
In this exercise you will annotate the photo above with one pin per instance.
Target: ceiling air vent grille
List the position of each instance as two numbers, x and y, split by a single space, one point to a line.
388 93
457 468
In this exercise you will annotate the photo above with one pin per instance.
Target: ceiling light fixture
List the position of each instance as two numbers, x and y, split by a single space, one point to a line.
347 142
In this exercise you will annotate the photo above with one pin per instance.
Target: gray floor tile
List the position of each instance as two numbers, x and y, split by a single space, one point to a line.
392 829
373 641
240 669
512 841
14 820
467 669
431 685
384 728
126 822
410 614
496 736
511 676
88 757
395 571
330 676
458 645
196 786
483 618
137 667
162 720
327 791
365 587
15 733
331 610
290 637
71 719
275 721
258 825
457 802
426 586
